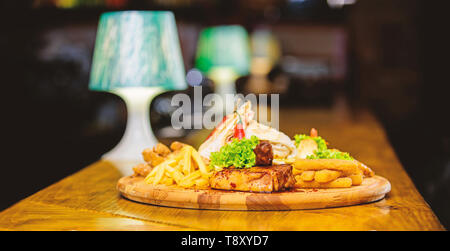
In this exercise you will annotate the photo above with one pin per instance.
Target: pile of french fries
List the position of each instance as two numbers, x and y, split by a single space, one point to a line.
184 167
329 173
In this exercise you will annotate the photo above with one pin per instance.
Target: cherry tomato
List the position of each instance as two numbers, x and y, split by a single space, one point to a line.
313 132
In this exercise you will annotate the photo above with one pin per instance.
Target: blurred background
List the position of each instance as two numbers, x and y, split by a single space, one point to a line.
390 56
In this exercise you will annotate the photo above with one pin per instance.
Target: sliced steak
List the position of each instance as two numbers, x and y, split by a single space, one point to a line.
256 179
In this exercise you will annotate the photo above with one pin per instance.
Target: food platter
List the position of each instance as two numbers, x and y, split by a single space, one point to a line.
245 165
134 188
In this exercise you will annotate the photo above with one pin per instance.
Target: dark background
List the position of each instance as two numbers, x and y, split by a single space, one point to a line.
391 56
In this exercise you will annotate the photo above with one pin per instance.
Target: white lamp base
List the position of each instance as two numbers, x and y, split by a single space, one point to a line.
138 133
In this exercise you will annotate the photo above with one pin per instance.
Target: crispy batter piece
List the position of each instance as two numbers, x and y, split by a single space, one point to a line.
161 150
142 169
155 156
151 157
175 146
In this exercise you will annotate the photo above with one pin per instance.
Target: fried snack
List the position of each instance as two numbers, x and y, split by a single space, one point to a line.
356 179
296 171
155 156
183 167
142 169
366 170
175 146
347 167
329 173
161 150
343 182
325 176
307 175
151 157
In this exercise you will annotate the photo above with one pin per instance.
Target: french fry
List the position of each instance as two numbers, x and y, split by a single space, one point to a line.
186 184
189 180
152 173
200 163
177 176
174 173
167 181
325 176
183 166
159 174
192 176
177 156
187 160
202 183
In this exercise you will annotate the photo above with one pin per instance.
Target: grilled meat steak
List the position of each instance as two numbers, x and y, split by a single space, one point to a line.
264 153
256 179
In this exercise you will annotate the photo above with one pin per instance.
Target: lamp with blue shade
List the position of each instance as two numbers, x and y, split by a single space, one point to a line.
137 56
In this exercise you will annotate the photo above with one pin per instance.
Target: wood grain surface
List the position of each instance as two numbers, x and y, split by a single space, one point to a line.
134 188
89 200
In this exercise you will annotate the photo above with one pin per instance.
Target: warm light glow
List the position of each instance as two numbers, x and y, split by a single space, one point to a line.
223 75
340 3
260 66
66 4
266 51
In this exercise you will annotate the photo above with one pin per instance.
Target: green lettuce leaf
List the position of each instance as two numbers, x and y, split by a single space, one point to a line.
328 154
322 151
237 153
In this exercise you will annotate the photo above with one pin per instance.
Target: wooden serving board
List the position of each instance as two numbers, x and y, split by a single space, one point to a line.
134 188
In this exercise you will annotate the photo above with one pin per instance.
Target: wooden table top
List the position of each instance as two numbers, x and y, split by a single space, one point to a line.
88 199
